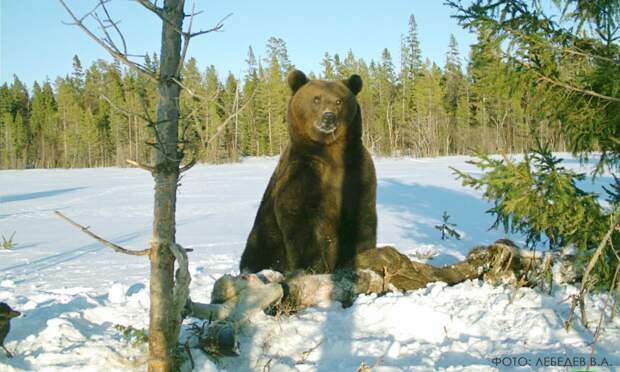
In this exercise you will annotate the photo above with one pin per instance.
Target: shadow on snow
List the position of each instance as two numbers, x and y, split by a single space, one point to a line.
37 195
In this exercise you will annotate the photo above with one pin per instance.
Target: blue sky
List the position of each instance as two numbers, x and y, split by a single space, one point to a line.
36 45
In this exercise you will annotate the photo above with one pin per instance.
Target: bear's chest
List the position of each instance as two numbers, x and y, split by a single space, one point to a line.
319 178
329 176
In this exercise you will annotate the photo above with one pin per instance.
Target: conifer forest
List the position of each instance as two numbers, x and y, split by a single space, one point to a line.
100 115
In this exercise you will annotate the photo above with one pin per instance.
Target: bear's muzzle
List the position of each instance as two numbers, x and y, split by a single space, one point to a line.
328 122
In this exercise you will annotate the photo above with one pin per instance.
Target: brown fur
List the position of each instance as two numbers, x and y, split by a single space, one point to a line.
318 210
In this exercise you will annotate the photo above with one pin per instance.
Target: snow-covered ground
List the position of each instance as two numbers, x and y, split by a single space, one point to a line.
72 291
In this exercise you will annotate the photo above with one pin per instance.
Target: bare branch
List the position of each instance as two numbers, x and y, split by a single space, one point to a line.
107 243
160 13
89 13
152 7
137 164
187 36
599 250
218 130
192 14
107 38
145 108
221 127
188 90
189 165
114 52
570 50
575 89
564 85
153 125
181 283
584 281
115 25
150 124
122 110
304 356
216 28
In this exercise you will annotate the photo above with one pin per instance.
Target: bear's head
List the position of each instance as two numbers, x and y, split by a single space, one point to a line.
323 111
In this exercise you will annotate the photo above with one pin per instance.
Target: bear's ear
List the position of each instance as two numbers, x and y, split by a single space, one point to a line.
354 83
296 79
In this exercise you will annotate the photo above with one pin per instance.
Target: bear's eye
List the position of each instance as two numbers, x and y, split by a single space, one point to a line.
338 102
317 100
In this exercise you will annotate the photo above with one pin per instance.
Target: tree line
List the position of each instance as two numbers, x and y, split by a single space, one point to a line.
102 115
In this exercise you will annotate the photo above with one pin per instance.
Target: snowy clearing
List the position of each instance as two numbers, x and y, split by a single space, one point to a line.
72 291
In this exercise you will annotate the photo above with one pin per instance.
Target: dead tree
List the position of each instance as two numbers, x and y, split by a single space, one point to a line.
168 292
235 299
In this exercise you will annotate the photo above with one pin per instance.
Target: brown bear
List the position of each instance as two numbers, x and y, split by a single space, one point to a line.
318 210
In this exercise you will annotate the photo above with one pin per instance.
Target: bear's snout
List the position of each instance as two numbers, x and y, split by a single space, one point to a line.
327 123
328 118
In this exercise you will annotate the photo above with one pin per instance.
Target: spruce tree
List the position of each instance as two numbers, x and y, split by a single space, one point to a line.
571 66
412 51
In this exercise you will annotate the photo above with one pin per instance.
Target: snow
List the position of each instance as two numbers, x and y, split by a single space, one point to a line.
73 292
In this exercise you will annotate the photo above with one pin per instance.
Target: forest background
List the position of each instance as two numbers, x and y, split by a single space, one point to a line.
97 116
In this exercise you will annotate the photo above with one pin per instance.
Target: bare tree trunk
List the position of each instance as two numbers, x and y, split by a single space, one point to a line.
137 138
235 143
388 118
269 124
43 160
90 162
169 291
205 137
163 331
129 121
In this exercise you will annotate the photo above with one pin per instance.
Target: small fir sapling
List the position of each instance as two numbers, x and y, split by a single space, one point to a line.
447 228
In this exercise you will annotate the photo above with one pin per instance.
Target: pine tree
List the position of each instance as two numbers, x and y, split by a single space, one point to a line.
18 130
213 115
454 88
382 85
431 133
341 69
328 67
248 119
277 94
453 75
6 123
276 49
229 144
113 126
43 119
410 71
192 108
365 100
349 65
